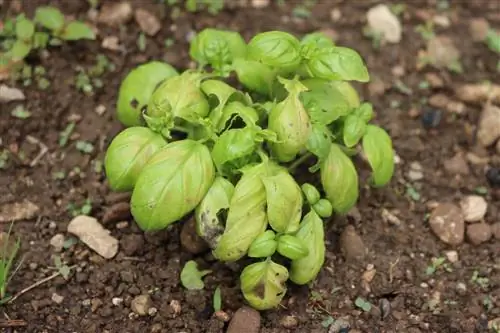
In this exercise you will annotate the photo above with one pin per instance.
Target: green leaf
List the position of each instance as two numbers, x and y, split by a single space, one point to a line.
20 112
234 110
340 180
77 30
318 39
25 29
217 299
19 50
354 129
377 147
319 141
276 49
339 63
191 277
324 102
40 40
254 75
365 112
49 17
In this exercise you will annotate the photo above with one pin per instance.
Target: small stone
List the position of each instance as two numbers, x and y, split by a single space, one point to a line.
442 52
431 117
390 218
246 320
24 210
86 302
474 208
56 298
156 328
434 80
493 177
382 21
52 225
33 266
489 125
190 239
335 15
175 305
141 304
152 312
132 244
398 71
259 4
8 94
341 325
92 233
57 242
461 287
447 223
111 43
478 233
222 316
117 301
289 322
452 256
457 165
122 225
442 21
415 173
495 230
439 101
118 212
147 21
351 244
478 28
115 14
95 303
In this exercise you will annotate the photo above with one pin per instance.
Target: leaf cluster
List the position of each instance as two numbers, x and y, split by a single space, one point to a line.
22 35
233 153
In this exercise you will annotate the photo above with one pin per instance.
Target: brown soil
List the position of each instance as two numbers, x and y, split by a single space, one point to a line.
151 263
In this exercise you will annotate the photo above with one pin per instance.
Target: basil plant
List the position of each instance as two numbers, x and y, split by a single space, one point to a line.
261 164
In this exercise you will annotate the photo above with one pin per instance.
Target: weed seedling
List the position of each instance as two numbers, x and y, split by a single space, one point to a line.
8 254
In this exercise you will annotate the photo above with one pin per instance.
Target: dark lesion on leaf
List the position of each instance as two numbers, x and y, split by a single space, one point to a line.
134 103
260 290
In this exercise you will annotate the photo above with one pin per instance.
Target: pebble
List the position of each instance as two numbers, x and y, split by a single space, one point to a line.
457 165
493 177
56 298
452 256
132 244
147 21
190 239
390 218
434 80
33 266
415 173
447 223
95 303
122 225
442 52
461 287
8 94
442 21
141 305
289 322
351 244
478 28
259 4
118 212
57 242
92 233
340 325
175 305
115 14
111 43
381 20
335 14
474 208
23 210
222 316
495 230
489 125
246 320
478 233
117 301
431 118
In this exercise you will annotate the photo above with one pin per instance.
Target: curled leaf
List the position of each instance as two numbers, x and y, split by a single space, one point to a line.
311 193
263 284
263 246
339 179
312 235
276 49
292 247
323 208
191 276
172 184
209 213
354 129
127 155
377 147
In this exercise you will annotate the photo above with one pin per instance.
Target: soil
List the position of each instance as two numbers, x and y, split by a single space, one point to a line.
97 294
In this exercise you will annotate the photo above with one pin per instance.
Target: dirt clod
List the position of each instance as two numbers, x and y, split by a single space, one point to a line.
9 94
478 233
24 210
289 322
489 125
351 244
115 14
141 305
245 320
147 21
447 222
382 21
118 212
57 242
132 244
457 165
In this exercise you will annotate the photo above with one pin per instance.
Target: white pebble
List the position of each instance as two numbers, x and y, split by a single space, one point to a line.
452 256
474 208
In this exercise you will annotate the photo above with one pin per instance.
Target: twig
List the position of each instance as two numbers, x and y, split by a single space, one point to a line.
43 149
391 268
134 259
12 323
36 284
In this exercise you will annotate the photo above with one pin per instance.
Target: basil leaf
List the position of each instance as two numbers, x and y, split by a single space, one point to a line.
365 112
19 50
246 113
324 103
24 29
339 63
49 17
319 39
276 49
377 147
191 276
340 180
354 129
319 141
76 31
255 75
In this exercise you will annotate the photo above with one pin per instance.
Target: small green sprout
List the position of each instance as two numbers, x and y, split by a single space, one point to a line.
85 209
191 276
62 268
217 302
85 147
363 304
437 263
20 112
65 134
7 256
482 282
